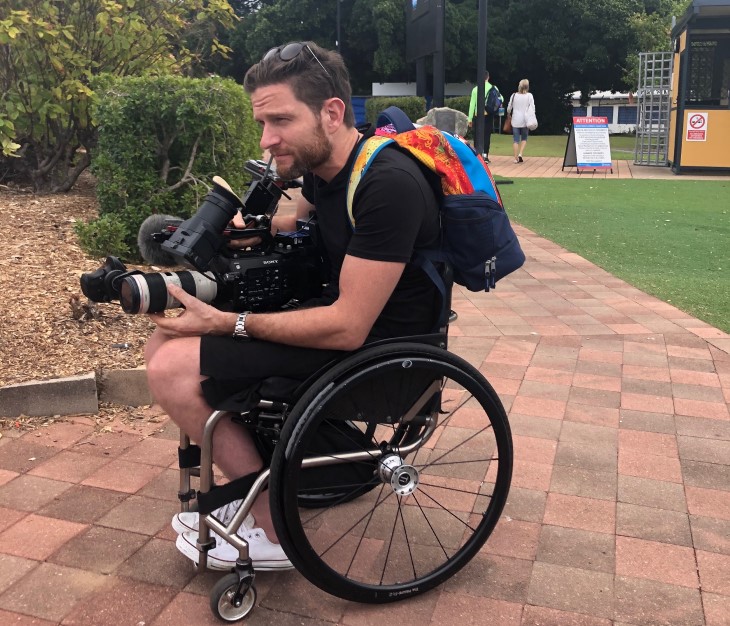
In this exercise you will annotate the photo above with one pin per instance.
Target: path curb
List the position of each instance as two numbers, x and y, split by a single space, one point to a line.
75 395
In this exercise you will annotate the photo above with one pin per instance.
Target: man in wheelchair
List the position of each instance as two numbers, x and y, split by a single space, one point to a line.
205 358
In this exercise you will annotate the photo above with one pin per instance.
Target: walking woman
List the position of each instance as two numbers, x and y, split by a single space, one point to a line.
522 110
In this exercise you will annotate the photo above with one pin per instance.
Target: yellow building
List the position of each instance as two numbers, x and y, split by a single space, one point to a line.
699 136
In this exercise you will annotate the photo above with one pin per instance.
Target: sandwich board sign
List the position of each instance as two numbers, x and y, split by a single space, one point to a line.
588 145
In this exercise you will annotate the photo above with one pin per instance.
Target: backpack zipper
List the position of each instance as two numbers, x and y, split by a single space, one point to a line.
490 273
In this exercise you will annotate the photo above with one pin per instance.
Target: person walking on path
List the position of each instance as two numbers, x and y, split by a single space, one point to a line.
475 110
521 105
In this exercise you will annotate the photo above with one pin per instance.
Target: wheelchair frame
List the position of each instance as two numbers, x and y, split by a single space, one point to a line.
234 596
437 375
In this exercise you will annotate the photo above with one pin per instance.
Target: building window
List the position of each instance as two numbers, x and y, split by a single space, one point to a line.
708 75
627 115
603 112
580 111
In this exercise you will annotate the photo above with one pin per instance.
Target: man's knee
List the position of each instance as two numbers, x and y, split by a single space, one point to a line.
172 361
158 369
156 340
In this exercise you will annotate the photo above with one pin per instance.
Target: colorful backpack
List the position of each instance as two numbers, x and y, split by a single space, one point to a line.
477 238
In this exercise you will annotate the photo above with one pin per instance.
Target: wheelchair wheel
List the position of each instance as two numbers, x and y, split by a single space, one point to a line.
434 463
221 599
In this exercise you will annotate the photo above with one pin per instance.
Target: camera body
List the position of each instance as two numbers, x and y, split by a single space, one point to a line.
271 278
276 273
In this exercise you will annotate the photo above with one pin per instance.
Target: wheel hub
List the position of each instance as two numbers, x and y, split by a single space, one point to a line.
403 478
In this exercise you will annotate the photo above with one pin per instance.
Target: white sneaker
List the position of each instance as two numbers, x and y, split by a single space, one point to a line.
265 555
188 520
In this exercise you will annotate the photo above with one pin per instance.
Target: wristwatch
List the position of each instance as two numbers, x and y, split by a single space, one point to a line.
239 331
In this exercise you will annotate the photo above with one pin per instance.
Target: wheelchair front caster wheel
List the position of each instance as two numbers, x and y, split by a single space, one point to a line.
221 599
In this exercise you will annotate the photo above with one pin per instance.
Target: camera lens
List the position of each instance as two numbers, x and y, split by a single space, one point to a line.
147 293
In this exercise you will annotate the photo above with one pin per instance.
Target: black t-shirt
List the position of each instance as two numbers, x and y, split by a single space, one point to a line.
395 211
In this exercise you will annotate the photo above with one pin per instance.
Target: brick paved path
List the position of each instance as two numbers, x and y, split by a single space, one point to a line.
552 167
619 511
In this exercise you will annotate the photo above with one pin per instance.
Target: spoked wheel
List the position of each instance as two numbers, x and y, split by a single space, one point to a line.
435 465
221 599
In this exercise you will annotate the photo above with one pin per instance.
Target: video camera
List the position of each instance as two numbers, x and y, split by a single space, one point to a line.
274 274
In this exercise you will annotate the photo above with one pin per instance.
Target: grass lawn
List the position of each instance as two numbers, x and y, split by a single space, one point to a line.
668 238
622 146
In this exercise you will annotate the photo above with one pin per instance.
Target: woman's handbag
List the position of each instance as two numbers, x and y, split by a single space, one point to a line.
507 128
531 117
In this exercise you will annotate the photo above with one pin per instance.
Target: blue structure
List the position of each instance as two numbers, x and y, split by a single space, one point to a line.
358 105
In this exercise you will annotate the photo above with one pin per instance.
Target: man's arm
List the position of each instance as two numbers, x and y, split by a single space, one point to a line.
365 287
280 223
289 222
472 104
367 278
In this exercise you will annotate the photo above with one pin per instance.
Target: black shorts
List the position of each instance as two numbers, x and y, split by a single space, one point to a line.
236 369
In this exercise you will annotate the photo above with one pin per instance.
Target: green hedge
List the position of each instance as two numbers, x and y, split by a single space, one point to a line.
460 103
413 106
161 140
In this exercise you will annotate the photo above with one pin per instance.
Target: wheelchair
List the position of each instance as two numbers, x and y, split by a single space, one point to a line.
387 472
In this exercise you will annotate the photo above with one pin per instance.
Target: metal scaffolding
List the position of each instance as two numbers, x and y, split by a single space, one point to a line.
654 103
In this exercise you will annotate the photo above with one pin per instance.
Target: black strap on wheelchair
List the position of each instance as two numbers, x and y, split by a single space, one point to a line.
220 495
188 457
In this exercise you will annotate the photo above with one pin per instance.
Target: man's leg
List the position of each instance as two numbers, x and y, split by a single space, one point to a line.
488 121
173 374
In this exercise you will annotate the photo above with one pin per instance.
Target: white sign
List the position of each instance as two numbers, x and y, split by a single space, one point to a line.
592 148
696 126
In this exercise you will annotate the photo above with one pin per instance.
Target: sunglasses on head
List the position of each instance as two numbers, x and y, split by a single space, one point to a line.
291 51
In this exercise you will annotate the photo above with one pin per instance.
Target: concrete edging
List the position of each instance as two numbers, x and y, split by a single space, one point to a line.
75 394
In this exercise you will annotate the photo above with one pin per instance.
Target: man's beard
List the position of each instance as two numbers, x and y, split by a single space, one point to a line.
309 157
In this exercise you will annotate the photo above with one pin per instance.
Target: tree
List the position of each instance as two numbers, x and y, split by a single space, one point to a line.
373 35
288 20
561 46
51 49
651 28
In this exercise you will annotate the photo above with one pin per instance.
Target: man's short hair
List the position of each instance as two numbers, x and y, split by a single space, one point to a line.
486 75
314 75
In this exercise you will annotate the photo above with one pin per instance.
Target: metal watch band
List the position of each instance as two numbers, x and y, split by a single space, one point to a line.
239 331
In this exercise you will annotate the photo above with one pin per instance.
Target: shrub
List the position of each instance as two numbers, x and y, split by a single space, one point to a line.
413 106
460 103
103 236
50 52
161 141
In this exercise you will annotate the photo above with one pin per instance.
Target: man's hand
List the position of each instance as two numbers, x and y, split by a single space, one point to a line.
237 222
198 318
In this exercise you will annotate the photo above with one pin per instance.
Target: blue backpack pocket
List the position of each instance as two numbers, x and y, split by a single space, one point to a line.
478 240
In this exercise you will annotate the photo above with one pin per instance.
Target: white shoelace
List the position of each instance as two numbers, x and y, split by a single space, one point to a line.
227 511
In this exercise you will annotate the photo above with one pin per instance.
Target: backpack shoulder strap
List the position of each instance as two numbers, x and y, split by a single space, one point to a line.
413 143
366 153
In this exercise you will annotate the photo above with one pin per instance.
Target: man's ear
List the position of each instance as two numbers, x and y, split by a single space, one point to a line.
333 113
